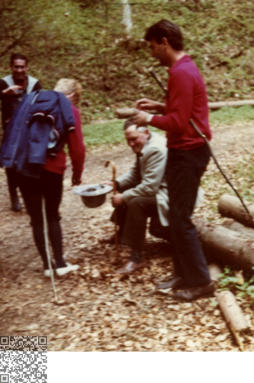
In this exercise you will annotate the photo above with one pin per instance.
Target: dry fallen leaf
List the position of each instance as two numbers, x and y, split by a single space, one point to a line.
102 313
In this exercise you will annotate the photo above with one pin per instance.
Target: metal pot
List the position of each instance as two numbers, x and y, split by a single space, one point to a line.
93 195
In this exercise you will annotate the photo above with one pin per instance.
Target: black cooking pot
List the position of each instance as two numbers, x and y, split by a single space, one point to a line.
93 195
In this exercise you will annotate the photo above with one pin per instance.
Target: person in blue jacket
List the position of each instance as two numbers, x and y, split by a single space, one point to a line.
13 88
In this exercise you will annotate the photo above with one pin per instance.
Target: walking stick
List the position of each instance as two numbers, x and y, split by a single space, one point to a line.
198 131
114 192
56 301
45 232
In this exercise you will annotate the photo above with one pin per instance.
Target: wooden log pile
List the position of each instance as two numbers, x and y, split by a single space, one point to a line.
233 242
230 244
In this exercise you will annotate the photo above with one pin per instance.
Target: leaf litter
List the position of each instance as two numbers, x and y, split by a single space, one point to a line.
103 312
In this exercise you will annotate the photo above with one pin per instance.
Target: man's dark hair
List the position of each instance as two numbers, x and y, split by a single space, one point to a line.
18 56
165 28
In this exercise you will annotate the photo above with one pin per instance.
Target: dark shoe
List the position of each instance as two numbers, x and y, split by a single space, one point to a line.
195 292
173 283
130 267
15 204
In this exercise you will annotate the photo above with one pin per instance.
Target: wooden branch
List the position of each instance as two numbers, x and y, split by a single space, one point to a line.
220 104
233 315
230 206
225 62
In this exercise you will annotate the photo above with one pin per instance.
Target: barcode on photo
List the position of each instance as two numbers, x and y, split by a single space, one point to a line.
23 343
22 359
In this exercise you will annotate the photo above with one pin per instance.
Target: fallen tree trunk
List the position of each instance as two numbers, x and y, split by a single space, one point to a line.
226 246
246 232
220 104
231 207
232 314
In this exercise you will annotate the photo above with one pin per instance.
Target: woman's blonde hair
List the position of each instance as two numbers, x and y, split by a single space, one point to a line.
70 88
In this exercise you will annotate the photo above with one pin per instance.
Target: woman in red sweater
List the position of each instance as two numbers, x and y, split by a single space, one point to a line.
49 186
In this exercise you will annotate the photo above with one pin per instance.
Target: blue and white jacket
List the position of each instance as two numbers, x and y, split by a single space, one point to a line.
41 116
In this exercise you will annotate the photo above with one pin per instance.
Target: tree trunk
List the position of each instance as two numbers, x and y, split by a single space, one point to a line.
231 207
226 246
127 20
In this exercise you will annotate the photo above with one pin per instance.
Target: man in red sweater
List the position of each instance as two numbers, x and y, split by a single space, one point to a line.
188 155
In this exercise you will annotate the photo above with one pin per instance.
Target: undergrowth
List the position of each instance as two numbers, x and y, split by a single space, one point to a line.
86 40
238 282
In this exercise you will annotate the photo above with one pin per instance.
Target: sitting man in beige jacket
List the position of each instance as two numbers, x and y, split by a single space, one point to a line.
142 193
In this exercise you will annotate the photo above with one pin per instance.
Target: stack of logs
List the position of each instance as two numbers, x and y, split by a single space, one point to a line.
232 244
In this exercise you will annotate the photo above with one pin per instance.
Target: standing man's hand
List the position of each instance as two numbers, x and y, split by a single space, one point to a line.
142 118
147 104
14 89
117 199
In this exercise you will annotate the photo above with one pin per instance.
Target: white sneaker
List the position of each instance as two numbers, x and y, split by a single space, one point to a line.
47 273
60 271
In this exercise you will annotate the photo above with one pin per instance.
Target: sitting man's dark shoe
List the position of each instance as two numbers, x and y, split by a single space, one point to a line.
173 283
193 293
130 267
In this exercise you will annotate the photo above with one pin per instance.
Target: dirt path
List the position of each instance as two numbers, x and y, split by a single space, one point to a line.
102 312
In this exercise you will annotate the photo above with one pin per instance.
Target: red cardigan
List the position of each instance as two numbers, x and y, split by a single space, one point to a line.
187 99
76 149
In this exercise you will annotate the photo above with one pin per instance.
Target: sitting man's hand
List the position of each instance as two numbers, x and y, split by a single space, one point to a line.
110 183
147 104
117 199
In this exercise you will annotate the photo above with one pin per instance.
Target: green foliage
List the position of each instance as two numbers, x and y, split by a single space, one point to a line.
100 133
231 115
85 39
230 280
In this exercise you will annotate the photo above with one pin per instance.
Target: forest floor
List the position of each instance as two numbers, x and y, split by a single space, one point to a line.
102 312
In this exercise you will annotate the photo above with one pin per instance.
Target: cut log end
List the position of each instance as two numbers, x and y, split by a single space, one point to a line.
231 207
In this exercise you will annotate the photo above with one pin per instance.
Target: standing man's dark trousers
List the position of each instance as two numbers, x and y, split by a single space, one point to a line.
184 171
12 181
132 219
